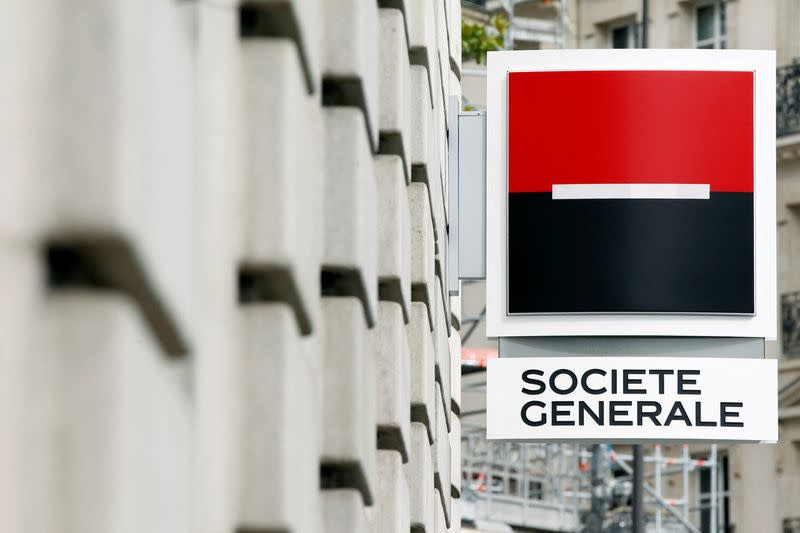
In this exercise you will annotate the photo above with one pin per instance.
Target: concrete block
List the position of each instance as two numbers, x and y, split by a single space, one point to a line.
439 518
219 193
419 472
343 511
27 80
348 398
440 141
454 85
280 447
299 20
447 22
455 309
455 89
455 517
441 459
349 263
21 398
422 248
441 342
394 232
422 38
423 370
393 385
112 122
350 59
435 179
391 514
423 145
455 39
436 190
394 78
284 181
109 422
455 459
443 47
455 372
400 5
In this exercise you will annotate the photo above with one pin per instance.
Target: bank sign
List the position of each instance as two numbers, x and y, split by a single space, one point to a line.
630 399
631 192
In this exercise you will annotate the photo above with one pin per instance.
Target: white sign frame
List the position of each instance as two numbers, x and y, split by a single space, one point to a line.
748 387
500 324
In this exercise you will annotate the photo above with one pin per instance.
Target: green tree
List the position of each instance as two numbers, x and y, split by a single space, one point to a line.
477 39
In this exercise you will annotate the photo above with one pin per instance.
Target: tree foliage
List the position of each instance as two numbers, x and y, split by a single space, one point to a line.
477 39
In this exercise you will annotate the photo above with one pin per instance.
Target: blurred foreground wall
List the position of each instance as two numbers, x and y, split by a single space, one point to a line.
222 249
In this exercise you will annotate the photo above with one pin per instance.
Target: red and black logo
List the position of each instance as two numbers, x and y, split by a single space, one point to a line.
630 192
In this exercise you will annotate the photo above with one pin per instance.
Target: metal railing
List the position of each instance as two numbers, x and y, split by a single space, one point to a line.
787 83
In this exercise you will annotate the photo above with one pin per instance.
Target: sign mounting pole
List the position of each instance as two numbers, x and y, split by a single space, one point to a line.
638 452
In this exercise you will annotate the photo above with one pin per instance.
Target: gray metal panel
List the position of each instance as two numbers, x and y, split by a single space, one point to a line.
472 196
744 347
452 199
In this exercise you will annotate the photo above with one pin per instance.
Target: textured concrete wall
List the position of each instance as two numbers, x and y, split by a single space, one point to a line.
222 244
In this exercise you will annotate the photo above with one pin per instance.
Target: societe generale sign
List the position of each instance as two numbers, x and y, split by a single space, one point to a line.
631 399
631 193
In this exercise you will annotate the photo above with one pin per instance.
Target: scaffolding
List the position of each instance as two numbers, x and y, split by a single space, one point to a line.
549 486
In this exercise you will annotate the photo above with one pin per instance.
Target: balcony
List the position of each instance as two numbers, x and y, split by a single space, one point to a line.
787 82
790 311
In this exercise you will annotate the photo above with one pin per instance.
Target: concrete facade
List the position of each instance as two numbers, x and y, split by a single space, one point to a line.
222 232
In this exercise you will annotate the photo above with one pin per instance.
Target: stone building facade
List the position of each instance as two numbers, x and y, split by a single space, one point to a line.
222 239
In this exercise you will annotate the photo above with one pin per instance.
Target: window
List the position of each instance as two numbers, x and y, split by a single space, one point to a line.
709 24
623 36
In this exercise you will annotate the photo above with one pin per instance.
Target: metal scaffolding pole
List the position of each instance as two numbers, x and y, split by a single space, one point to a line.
645 16
638 496
594 524
658 487
686 482
690 527
638 453
713 495
576 487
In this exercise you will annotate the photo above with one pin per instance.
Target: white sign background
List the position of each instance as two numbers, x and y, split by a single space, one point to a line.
500 324
753 382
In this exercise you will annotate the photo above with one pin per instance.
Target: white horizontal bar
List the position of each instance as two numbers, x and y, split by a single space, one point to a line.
682 191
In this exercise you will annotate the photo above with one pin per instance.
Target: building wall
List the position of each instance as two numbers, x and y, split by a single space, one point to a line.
751 24
222 239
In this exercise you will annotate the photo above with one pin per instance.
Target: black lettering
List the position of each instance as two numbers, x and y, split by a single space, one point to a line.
661 373
585 381
674 415
583 408
683 381
613 412
524 414
698 418
563 372
627 381
641 414
724 414
557 413
526 377
613 381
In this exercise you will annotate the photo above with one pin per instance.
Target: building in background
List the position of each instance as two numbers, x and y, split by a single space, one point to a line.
757 486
